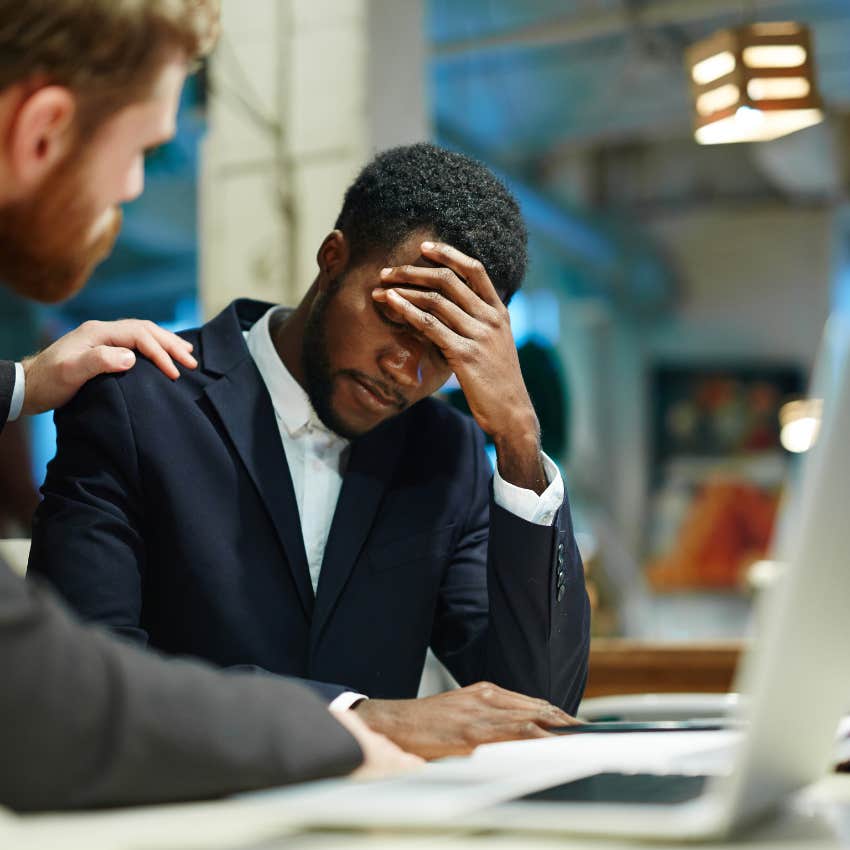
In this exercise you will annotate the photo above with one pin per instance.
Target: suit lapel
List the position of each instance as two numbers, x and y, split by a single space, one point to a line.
243 404
370 468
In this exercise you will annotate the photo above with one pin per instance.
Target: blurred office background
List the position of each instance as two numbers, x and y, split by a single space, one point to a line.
676 293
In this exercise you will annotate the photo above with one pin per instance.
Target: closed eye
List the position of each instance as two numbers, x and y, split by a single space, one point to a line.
400 326
405 328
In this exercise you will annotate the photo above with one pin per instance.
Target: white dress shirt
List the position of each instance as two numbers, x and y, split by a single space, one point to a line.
18 391
316 457
315 454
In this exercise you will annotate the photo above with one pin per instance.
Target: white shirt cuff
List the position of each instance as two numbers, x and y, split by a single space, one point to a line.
346 700
18 393
526 504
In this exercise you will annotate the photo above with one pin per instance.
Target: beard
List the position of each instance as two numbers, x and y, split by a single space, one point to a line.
318 375
51 242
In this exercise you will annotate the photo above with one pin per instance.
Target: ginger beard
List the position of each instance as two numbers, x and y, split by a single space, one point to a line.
51 242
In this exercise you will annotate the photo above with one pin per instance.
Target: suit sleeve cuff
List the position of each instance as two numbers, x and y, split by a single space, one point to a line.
346 700
17 403
526 504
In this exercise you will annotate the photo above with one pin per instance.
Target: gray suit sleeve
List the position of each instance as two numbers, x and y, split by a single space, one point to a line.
87 720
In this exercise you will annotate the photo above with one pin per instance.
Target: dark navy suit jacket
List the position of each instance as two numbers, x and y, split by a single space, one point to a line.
86 720
169 514
7 387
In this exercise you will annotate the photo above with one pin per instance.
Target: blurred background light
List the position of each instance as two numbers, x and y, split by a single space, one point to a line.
755 99
800 421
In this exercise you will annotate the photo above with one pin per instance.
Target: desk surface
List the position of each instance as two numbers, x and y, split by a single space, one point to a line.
817 819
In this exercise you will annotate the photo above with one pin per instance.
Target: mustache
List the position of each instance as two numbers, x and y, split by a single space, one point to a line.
381 388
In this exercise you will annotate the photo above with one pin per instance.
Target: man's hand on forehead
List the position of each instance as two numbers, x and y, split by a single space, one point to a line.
455 306
446 269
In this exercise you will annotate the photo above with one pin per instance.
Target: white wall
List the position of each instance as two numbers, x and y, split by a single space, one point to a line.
398 112
328 83
755 284
275 170
755 281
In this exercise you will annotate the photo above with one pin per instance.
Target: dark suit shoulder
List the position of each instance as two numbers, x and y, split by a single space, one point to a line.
146 373
144 383
7 386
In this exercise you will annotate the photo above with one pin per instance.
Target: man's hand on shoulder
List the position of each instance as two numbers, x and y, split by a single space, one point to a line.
54 376
381 757
455 306
456 722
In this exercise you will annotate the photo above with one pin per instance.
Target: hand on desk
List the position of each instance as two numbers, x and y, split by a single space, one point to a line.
455 723
381 757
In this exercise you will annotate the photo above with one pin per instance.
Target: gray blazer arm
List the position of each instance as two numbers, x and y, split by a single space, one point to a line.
87 720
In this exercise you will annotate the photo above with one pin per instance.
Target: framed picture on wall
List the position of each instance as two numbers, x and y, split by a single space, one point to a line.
717 470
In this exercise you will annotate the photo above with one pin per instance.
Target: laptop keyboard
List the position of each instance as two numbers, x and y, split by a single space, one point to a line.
652 788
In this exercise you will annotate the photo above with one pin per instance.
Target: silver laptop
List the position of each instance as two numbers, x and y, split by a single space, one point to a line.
794 681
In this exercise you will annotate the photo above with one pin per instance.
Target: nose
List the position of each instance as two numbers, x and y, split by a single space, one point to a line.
135 181
402 364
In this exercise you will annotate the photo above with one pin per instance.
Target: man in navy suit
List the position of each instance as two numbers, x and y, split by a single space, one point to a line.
300 503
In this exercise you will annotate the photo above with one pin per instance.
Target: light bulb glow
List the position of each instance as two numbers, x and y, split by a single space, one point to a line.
754 83
778 88
718 99
774 56
800 421
755 125
713 68
800 435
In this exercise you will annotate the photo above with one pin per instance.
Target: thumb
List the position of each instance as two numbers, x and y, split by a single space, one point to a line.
105 358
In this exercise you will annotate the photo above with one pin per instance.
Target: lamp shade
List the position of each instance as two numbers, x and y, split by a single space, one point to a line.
753 83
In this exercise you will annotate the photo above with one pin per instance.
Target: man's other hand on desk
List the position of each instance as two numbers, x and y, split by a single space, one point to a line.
456 722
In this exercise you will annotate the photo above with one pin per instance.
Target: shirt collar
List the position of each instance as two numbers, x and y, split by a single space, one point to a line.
291 404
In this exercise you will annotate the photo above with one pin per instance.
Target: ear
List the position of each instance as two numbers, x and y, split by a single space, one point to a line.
41 134
332 257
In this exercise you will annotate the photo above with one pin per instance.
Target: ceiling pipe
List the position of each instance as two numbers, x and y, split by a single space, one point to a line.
602 24
615 262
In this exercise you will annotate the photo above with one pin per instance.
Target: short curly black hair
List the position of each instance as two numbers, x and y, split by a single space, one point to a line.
460 200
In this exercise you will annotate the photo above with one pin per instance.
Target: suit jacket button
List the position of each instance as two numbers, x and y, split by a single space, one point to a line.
560 554
561 577
560 595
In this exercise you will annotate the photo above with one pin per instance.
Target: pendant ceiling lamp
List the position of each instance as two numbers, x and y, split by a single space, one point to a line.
753 83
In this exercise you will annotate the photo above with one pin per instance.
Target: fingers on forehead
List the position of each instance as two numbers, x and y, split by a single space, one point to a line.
444 251
427 275
471 269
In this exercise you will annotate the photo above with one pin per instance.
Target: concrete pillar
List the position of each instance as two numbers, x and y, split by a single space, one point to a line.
287 133
303 93
398 112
